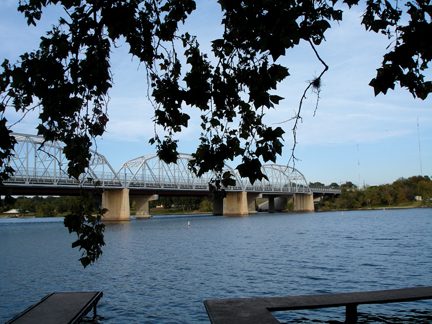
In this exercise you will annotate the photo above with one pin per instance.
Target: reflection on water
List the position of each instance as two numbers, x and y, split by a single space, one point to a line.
399 317
160 270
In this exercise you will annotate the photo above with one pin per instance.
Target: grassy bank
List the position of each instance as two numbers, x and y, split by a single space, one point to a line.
28 215
31 215
410 204
175 211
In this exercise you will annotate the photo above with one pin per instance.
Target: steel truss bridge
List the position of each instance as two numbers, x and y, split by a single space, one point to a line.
41 165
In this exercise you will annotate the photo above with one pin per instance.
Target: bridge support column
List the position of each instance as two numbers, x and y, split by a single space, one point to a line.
271 204
142 205
303 202
251 201
218 206
235 204
117 203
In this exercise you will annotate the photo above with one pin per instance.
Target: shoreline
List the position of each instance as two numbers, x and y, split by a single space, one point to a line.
377 208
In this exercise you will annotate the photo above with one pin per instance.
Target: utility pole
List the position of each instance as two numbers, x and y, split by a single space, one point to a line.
418 132
358 159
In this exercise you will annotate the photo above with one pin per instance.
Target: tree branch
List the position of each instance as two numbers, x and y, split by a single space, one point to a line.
315 84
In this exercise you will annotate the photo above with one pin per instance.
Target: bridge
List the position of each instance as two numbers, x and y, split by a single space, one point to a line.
40 169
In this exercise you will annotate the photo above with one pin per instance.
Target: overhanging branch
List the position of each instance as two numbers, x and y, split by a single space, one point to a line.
315 84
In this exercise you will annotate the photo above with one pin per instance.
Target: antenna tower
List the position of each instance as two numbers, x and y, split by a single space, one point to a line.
358 159
418 132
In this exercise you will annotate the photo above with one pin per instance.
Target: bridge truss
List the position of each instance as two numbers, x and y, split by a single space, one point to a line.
38 163
149 171
281 178
43 164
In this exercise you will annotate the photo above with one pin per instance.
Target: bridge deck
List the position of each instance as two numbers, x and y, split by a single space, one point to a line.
257 310
59 308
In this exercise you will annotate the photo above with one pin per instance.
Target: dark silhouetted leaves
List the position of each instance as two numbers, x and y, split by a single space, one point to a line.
88 228
68 78
412 50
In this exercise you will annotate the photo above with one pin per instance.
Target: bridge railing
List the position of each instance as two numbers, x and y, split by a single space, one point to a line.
194 183
284 189
150 182
60 178
326 190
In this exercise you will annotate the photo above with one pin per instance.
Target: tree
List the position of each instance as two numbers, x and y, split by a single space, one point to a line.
166 202
316 185
24 205
46 209
206 205
349 185
187 203
372 196
350 198
413 186
63 205
68 77
401 196
35 201
386 192
425 189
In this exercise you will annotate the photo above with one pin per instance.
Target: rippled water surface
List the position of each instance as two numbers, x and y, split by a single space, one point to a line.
161 270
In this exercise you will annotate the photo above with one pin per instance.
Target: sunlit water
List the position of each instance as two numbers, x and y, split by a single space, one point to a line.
161 270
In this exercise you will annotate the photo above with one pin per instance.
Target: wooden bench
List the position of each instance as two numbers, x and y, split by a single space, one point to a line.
59 308
257 310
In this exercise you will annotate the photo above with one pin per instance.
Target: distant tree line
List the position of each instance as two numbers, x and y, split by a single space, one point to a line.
60 206
44 206
191 203
399 192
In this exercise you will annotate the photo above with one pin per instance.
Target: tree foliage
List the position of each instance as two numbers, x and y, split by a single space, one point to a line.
186 203
401 191
60 206
68 78
87 226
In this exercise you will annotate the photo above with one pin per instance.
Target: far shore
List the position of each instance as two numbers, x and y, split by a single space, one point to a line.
175 211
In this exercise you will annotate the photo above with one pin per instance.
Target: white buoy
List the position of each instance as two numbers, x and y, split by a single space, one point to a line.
188 223
342 213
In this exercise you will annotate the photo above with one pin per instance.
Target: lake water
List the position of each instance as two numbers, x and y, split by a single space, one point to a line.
161 270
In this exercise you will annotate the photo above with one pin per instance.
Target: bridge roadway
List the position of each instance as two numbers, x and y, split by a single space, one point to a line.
41 170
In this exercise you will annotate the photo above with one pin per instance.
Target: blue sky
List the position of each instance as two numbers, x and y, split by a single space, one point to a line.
354 135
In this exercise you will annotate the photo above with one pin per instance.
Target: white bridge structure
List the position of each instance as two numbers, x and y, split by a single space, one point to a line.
41 168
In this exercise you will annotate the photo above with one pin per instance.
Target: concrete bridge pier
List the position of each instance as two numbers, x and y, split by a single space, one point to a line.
275 202
271 204
251 201
117 203
304 202
235 204
143 205
218 206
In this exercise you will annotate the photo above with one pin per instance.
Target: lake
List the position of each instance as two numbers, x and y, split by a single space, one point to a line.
160 270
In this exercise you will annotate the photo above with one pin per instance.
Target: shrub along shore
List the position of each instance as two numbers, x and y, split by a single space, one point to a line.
413 192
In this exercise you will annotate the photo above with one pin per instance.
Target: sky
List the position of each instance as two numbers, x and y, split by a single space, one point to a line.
354 136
